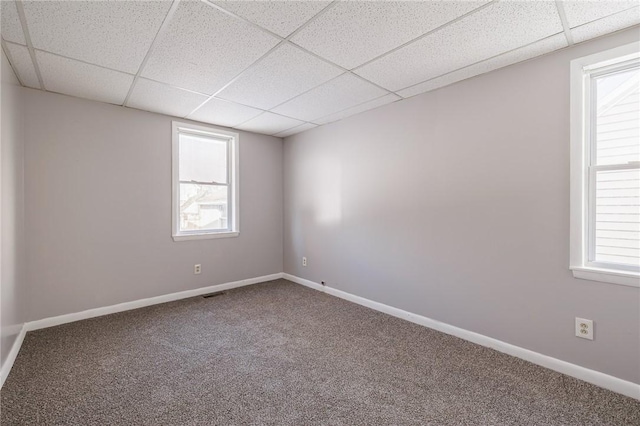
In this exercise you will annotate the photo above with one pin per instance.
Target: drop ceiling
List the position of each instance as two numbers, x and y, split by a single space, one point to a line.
283 67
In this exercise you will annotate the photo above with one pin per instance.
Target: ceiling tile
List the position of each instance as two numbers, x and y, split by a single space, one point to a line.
383 100
269 124
493 30
11 26
203 49
584 11
541 47
224 113
113 34
607 25
157 97
280 17
297 129
83 80
352 33
285 73
338 94
23 65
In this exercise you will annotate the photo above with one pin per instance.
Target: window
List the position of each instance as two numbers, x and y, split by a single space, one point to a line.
205 182
605 166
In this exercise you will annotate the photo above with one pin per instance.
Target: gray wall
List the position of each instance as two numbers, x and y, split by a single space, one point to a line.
12 278
98 198
455 205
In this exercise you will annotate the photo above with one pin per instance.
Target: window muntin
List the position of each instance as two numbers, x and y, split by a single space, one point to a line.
605 166
205 182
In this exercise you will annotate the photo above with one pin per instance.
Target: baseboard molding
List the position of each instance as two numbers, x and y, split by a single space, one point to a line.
141 303
13 354
591 376
120 307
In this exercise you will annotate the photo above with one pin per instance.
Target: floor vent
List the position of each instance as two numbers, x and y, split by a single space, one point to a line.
217 293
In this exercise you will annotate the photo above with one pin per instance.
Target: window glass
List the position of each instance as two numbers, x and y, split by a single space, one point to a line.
618 117
202 159
203 207
616 171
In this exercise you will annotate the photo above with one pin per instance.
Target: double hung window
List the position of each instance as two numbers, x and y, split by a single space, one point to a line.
205 182
605 166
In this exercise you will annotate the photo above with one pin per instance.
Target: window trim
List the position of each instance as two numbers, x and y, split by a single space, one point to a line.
233 183
579 174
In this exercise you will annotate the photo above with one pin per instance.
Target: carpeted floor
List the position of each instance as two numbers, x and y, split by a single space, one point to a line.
279 353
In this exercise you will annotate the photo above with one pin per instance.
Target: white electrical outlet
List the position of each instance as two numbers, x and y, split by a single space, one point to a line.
304 261
584 328
197 269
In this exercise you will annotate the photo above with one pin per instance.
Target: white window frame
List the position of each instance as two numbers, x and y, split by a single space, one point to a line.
581 177
233 141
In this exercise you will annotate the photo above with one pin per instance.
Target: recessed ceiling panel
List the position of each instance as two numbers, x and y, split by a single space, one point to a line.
538 48
113 34
297 129
280 17
338 94
491 31
224 113
607 25
584 11
383 100
285 73
11 26
157 97
23 65
269 124
234 50
351 33
204 48
83 80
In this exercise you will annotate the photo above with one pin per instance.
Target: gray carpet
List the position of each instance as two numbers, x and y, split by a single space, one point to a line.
279 353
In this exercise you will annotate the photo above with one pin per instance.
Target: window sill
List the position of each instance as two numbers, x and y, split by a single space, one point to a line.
628 278
205 236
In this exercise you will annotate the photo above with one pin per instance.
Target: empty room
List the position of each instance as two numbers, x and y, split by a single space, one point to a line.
320 212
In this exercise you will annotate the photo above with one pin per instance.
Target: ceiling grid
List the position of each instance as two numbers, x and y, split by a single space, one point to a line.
161 30
27 37
277 67
565 23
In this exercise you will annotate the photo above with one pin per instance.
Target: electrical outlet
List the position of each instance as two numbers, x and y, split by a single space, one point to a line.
584 328
304 261
197 269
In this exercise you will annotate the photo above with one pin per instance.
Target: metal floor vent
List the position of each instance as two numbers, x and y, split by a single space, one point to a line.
217 293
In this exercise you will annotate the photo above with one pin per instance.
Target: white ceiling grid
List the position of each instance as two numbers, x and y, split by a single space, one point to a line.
83 80
270 123
283 67
22 64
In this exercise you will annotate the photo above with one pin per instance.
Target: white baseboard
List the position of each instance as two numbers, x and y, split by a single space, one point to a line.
120 307
13 353
591 376
141 303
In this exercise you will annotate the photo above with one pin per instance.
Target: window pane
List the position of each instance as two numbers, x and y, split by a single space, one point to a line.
618 117
203 207
202 159
618 217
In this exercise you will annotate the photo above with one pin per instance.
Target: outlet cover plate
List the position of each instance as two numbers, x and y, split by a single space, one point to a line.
584 328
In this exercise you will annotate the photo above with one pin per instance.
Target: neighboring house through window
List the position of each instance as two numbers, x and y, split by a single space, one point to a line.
605 166
205 182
